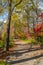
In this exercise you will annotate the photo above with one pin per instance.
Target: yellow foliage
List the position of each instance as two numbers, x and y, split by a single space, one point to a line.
14 17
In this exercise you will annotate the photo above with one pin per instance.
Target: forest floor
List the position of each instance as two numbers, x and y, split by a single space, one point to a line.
22 54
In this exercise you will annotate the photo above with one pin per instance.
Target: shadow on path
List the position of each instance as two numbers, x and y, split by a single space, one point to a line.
18 53
24 60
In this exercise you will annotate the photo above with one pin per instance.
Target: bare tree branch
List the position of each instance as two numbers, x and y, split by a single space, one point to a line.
16 5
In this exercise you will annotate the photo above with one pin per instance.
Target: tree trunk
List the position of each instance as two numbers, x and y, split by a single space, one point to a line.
8 26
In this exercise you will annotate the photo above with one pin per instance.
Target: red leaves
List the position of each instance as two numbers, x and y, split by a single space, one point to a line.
38 28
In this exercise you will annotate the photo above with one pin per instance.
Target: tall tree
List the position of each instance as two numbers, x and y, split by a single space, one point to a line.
9 21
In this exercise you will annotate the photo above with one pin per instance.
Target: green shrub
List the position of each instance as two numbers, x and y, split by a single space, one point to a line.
34 41
23 37
2 44
11 44
40 39
3 41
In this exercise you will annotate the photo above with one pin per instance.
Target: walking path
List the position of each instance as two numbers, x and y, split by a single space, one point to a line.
23 56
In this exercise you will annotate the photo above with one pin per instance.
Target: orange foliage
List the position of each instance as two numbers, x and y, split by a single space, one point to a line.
38 28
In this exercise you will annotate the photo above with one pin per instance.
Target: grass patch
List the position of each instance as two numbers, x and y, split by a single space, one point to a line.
31 40
27 41
3 63
2 44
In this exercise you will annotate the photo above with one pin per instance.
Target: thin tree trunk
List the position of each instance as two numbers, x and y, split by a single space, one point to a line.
8 26
28 20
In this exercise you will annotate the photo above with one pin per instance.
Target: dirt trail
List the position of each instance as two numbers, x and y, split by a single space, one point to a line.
24 56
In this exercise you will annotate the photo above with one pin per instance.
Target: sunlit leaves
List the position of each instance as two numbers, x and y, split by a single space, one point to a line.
19 28
14 17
